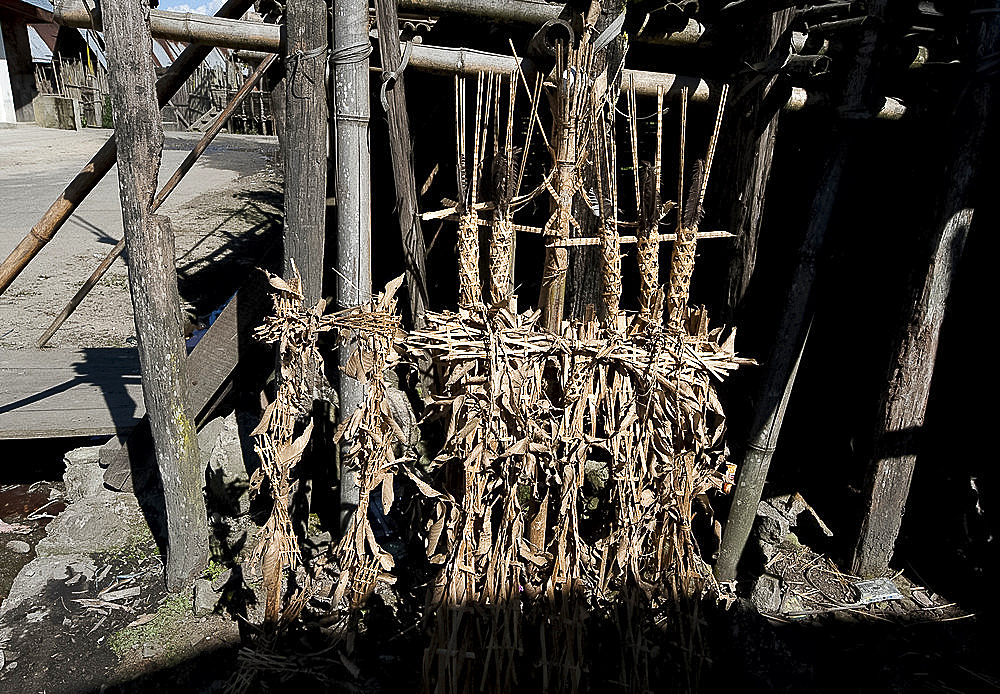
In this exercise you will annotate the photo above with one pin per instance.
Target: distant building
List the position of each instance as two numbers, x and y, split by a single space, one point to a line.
17 70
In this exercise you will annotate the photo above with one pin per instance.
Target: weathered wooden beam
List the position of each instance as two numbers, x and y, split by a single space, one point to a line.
78 189
908 382
304 149
401 150
186 27
747 147
153 284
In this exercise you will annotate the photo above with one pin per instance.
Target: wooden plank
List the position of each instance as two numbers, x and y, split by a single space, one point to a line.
54 393
211 368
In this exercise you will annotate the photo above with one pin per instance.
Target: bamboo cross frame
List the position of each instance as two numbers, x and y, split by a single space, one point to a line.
570 152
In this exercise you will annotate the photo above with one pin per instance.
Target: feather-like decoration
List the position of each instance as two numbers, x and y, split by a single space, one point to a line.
693 211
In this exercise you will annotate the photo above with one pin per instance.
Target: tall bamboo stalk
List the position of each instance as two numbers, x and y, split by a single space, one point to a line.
353 283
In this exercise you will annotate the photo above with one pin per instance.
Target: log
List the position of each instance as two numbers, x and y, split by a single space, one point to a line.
78 189
161 197
401 150
908 382
793 330
153 284
353 284
185 27
304 149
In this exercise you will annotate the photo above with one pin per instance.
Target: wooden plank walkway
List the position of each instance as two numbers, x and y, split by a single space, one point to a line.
54 393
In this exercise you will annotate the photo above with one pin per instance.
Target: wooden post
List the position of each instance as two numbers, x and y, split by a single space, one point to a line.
78 189
908 384
793 330
304 146
153 283
414 249
748 148
584 286
354 277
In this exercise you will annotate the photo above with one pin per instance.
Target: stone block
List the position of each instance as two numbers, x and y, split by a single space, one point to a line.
54 111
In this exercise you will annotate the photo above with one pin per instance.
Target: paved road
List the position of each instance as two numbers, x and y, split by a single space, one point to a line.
37 163
35 166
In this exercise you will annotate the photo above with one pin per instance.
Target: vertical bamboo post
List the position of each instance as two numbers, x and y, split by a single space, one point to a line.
354 270
553 290
153 284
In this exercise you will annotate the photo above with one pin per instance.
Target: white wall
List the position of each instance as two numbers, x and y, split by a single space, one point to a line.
7 114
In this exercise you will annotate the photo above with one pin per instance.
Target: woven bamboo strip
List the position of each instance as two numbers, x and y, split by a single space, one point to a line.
611 262
470 287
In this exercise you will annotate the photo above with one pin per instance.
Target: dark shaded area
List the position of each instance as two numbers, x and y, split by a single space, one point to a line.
30 460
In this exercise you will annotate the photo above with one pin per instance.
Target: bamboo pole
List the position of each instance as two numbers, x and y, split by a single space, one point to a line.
160 198
354 278
155 301
101 163
255 37
538 12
